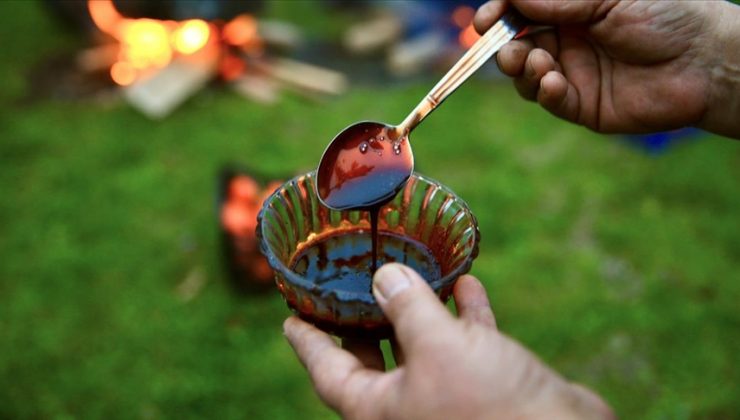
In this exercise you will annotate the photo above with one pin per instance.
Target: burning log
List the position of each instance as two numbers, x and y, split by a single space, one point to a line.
303 76
160 94
282 35
258 88
373 35
97 58
411 56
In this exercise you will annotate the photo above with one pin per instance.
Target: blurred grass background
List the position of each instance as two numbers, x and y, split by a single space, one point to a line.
619 269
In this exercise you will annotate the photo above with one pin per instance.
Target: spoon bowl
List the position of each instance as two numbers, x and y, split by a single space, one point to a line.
367 163
363 166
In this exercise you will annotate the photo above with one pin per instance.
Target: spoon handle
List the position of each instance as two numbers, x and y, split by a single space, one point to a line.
504 30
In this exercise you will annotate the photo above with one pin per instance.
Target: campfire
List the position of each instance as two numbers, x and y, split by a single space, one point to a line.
144 46
155 56
159 63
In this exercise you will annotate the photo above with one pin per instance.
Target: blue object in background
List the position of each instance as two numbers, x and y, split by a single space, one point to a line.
422 17
658 143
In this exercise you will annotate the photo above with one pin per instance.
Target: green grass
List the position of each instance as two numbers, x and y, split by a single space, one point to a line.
618 269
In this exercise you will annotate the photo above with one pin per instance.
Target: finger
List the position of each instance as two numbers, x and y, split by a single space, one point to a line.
548 41
329 367
538 63
564 11
488 14
472 302
367 351
511 57
558 96
397 352
589 403
410 305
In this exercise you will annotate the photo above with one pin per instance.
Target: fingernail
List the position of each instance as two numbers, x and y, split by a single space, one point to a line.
389 281
289 326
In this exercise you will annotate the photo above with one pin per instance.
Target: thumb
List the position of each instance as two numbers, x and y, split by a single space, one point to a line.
545 12
564 11
410 304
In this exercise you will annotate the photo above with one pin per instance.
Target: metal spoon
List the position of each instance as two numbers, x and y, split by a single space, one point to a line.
367 163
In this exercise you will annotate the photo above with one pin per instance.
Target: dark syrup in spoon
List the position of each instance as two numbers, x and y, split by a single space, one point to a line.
364 167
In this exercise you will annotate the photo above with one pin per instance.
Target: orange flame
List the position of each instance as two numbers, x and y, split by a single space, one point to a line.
122 73
468 36
191 36
146 44
462 17
105 16
240 30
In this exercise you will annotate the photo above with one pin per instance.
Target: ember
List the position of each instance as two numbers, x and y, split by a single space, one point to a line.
241 199
462 17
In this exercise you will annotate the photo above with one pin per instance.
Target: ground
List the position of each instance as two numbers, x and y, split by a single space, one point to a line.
620 269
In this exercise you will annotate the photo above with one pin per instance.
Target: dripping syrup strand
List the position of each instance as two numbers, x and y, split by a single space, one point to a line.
374 237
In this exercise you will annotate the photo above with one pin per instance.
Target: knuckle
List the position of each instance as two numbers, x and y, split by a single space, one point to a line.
315 363
325 392
350 403
403 311
315 366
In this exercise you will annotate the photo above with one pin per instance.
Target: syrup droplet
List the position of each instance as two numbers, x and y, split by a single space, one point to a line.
397 148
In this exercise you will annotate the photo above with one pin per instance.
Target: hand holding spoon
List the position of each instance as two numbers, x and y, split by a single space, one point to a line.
367 163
